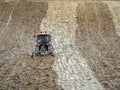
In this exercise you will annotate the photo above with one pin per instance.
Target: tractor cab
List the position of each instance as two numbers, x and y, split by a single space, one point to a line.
43 38
43 44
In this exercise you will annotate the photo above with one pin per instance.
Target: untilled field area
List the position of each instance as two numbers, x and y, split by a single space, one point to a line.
99 43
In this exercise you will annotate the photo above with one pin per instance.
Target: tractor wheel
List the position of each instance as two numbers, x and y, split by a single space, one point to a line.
51 53
32 56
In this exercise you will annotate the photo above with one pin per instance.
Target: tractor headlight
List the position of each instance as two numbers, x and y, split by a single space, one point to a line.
38 40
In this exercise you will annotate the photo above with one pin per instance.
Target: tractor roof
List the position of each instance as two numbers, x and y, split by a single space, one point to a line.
43 34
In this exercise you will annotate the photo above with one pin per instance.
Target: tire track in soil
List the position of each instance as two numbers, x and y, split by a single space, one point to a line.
114 8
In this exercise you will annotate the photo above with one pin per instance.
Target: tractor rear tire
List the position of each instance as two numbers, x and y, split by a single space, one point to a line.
51 54
32 56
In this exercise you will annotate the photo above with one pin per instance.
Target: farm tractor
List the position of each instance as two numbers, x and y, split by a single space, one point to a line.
43 44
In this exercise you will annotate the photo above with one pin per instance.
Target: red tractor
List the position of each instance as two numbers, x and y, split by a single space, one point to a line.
43 44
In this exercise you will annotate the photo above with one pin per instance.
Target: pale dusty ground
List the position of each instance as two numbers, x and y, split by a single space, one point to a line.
86 42
72 69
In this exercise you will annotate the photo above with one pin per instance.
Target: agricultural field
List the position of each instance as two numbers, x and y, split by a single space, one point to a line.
85 37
